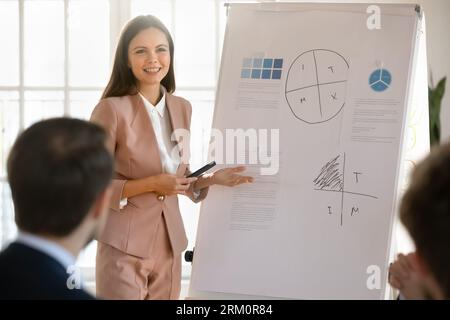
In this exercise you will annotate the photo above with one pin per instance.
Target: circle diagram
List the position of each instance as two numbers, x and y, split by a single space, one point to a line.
316 85
380 80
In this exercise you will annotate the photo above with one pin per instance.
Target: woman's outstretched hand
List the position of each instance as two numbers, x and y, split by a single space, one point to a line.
230 177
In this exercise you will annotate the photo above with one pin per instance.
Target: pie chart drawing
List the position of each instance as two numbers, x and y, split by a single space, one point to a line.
316 85
380 80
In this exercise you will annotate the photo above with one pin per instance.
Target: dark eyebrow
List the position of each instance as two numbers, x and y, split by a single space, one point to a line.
158 46
138 47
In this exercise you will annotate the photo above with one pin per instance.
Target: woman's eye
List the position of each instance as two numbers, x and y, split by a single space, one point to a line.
162 49
139 51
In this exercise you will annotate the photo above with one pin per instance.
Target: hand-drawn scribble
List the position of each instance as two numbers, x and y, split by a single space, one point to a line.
329 177
332 179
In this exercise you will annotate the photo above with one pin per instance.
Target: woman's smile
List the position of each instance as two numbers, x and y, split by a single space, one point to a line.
152 69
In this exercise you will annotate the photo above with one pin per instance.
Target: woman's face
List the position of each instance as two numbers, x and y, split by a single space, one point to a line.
149 57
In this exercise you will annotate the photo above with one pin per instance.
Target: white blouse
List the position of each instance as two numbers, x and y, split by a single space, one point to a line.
168 149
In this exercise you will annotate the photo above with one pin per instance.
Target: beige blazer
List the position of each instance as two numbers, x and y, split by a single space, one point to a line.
133 143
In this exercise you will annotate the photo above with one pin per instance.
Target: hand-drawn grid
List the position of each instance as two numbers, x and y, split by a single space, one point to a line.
315 88
332 179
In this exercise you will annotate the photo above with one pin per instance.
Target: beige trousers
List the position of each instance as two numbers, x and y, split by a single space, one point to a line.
123 276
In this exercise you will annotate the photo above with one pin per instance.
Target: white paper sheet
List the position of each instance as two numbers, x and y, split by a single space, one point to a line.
318 227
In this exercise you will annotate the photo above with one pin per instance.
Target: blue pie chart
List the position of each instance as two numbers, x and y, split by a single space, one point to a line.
380 80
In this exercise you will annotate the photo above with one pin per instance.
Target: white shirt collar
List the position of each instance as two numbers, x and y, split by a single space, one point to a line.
48 247
160 106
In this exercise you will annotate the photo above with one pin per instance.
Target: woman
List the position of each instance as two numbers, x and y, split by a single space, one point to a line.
139 251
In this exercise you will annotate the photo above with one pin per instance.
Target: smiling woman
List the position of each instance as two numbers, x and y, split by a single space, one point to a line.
139 252
149 60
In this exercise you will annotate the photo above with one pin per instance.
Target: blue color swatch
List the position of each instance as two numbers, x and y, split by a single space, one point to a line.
257 63
268 63
276 74
278 63
245 73
261 68
266 74
256 73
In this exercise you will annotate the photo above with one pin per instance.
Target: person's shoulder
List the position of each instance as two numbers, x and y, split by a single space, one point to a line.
178 98
20 256
6 256
123 106
118 102
14 251
46 280
179 101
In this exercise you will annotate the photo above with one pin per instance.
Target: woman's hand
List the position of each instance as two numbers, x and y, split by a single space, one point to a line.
169 184
230 177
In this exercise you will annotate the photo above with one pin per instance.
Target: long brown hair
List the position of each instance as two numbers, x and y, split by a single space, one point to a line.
122 81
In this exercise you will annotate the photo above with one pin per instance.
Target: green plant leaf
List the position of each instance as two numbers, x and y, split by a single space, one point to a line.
435 96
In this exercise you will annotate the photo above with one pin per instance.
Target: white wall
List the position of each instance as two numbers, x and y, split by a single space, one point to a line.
438 28
437 13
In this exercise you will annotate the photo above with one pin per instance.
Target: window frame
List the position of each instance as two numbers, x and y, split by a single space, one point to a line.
119 14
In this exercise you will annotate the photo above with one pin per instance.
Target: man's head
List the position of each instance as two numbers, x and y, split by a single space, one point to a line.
59 171
425 211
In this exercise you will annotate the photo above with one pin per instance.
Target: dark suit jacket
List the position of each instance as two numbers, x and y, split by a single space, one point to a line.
26 273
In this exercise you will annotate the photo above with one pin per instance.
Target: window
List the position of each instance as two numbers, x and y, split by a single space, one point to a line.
55 61
56 57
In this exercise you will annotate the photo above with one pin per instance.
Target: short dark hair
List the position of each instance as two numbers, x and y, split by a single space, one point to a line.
122 81
425 212
56 170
